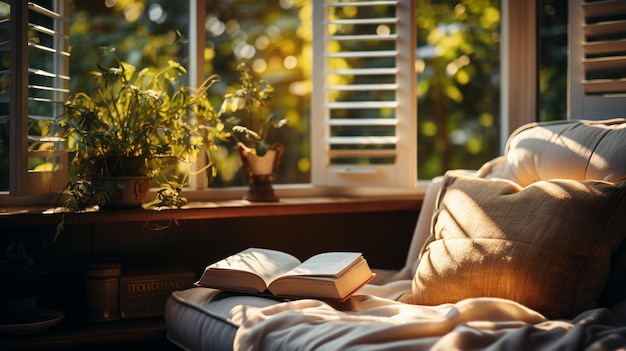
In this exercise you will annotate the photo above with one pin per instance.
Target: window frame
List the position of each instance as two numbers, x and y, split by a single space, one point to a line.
518 60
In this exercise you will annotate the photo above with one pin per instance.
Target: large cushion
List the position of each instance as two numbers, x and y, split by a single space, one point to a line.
207 319
547 246
572 149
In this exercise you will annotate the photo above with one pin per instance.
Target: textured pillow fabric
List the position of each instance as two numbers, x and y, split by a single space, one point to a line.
572 149
547 246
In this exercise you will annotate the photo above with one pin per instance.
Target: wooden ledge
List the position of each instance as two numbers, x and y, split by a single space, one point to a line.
28 216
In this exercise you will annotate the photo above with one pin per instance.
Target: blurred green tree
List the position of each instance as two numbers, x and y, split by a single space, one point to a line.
458 84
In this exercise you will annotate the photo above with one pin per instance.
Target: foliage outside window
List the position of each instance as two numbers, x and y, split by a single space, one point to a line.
458 84
552 65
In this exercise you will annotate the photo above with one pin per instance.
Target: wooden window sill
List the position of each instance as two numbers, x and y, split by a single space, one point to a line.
23 216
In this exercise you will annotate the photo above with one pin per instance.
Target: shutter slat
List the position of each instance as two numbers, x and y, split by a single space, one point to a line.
361 3
363 37
605 63
362 140
46 139
605 86
46 30
605 47
48 49
363 122
605 28
362 153
43 73
40 87
363 54
46 100
363 87
357 21
364 71
44 11
604 8
362 105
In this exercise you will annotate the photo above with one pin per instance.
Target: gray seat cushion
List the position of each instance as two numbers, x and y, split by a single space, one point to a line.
190 314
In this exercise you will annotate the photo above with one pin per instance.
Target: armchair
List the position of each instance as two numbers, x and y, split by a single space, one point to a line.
527 252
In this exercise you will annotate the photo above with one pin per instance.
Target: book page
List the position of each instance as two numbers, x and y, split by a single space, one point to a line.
330 264
327 279
265 263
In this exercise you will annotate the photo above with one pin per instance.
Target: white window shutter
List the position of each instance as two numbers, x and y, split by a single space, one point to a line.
597 43
364 96
39 86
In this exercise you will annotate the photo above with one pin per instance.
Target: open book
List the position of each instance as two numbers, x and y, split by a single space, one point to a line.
330 275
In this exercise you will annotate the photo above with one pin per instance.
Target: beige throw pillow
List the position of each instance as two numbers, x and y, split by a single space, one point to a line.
547 246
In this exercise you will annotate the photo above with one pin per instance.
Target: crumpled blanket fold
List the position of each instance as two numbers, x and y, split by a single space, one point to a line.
367 322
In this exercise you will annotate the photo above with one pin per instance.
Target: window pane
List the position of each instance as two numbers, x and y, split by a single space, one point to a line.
269 35
140 33
274 38
458 68
143 33
552 56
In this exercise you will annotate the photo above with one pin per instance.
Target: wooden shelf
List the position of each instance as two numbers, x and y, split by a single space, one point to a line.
207 210
81 335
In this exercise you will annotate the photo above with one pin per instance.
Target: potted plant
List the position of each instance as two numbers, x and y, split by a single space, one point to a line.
244 112
21 283
135 130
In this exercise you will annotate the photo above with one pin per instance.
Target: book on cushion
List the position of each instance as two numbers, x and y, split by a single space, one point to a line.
329 275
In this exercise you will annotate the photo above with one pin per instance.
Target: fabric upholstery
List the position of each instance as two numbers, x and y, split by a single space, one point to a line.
547 246
207 319
572 149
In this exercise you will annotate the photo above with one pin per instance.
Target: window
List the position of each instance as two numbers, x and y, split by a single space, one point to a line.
453 53
34 86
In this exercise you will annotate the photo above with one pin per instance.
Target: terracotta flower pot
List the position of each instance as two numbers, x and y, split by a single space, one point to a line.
129 174
259 171
132 193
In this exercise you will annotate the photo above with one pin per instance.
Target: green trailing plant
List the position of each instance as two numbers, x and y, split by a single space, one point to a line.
244 112
170 195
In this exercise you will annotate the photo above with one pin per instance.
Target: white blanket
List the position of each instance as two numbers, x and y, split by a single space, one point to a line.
368 322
